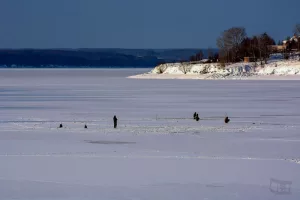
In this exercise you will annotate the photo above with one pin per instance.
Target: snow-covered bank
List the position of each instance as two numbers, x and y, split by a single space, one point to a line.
274 70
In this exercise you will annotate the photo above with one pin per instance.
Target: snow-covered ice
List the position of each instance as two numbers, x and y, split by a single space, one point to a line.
157 151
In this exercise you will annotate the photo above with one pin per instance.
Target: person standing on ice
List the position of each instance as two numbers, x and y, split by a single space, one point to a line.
115 121
195 115
226 120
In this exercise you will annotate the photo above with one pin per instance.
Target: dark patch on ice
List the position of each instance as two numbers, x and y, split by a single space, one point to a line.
275 124
273 100
108 142
214 186
26 107
38 121
281 115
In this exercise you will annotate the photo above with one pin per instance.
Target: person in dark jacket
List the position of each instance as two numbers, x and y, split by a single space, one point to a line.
226 120
115 121
195 115
60 125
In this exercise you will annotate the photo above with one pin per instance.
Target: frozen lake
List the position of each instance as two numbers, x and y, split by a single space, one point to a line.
158 152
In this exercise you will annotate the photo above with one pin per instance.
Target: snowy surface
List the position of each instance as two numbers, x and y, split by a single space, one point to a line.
157 151
276 68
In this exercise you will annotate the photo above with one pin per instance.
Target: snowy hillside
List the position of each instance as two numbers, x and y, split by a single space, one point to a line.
275 66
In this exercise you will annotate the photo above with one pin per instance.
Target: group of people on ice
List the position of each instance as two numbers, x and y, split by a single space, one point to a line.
115 120
196 117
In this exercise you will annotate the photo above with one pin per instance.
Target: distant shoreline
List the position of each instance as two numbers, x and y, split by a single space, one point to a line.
91 58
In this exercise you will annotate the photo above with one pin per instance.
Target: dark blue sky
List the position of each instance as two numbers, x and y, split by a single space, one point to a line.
138 23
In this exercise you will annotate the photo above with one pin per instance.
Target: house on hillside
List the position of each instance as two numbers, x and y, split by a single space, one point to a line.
293 44
277 48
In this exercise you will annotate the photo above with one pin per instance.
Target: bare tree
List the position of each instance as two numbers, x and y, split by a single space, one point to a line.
210 54
224 51
297 29
297 33
161 68
231 40
253 48
185 67
260 48
267 43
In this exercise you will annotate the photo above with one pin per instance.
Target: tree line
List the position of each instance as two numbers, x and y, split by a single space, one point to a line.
234 45
211 56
